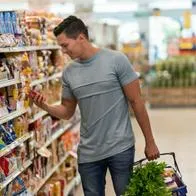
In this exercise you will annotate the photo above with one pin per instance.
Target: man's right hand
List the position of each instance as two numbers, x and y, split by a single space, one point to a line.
38 99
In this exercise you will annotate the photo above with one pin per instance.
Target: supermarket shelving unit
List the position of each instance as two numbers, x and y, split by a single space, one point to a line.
27 136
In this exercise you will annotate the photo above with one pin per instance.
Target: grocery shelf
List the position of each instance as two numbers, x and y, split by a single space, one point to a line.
57 135
12 115
74 182
28 48
55 76
42 113
56 103
43 181
5 83
14 144
38 116
40 81
11 177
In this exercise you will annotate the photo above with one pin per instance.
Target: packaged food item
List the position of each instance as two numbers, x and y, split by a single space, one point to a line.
44 152
3 105
2 24
7 136
3 70
8 164
2 175
21 155
10 128
62 180
19 126
168 172
18 186
2 144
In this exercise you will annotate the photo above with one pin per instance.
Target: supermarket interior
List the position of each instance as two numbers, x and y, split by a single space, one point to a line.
38 151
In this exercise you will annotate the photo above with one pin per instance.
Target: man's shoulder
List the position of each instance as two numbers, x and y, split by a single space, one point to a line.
67 69
114 53
69 66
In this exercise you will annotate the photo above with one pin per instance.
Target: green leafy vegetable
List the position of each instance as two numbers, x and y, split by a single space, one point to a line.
147 180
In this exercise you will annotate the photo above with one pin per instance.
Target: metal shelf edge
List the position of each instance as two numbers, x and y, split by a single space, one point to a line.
28 48
40 81
6 83
74 182
12 115
37 116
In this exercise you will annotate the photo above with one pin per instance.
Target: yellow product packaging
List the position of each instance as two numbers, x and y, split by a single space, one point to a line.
69 173
26 103
19 127
57 188
15 94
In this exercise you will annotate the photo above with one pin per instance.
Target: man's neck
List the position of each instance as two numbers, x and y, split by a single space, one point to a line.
89 51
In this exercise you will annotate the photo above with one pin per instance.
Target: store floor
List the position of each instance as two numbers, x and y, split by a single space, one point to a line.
175 130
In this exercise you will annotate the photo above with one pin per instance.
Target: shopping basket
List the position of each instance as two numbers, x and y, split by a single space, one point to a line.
177 176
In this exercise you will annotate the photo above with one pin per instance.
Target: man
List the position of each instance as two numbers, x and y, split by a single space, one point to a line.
101 82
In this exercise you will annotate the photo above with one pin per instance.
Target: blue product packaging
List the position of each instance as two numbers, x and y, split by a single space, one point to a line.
20 185
13 19
6 135
5 22
10 127
2 24
8 25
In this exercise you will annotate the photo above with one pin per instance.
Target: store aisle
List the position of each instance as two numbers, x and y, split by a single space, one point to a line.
175 130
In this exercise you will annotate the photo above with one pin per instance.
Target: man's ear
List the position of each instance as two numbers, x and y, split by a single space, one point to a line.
81 37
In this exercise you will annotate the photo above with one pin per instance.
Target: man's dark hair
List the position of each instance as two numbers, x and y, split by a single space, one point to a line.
72 27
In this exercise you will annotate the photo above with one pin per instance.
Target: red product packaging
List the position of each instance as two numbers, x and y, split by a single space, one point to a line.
4 164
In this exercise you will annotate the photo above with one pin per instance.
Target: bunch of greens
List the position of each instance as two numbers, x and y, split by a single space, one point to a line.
147 180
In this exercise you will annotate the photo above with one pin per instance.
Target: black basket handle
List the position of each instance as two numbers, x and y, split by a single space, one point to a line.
161 154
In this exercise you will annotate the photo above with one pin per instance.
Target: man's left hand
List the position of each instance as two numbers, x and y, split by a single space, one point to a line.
151 151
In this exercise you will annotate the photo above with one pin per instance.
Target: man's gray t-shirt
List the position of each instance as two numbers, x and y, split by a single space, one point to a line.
97 84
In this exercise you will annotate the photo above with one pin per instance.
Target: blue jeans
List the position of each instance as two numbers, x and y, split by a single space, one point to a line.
93 174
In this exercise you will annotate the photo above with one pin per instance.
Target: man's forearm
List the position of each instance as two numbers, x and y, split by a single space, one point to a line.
143 120
59 111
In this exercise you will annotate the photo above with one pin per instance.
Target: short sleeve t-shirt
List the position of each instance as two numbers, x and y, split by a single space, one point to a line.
97 84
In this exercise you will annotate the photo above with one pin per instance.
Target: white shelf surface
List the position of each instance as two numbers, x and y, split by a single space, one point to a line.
43 181
11 177
53 77
28 48
14 144
6 83
12 115
38 116
74 182
36 82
